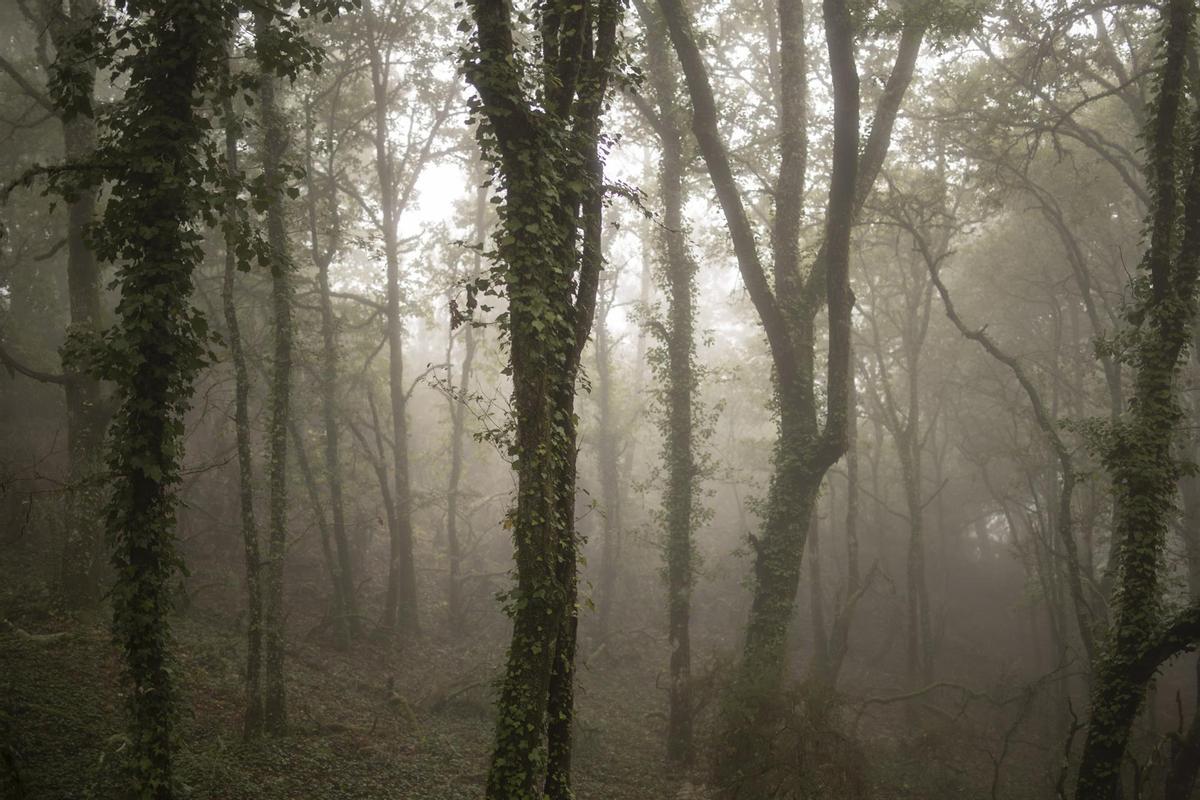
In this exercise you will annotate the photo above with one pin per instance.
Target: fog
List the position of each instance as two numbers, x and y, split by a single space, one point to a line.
594 400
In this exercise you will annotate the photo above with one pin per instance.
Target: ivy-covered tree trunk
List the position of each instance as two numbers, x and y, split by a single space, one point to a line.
1137 449
678 277
1184 764
274 145
252 724
545 149
155 348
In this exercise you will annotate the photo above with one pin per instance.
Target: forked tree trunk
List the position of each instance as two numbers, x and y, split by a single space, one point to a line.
549 164
805 447
1139 453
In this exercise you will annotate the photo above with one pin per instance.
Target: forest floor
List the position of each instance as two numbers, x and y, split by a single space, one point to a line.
349 735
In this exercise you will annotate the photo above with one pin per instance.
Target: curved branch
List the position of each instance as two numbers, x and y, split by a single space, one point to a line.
14 366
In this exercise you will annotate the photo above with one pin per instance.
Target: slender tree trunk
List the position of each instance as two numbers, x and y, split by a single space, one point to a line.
458 430
341 632
607 460
1184 764
820 655
919 667
400 602
252 725
273 148
678 453
345 594
839 633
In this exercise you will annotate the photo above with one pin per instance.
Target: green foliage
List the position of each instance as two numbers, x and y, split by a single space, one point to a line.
156 157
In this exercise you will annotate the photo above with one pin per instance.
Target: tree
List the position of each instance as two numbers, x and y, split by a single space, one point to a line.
1137 450
348 624
396 187
156 346
87 408
678 375
908 305
274 144
808 441
251 548
539 113
458 395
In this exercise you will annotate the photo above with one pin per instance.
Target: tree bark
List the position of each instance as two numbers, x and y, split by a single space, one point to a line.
87 409
1138 453
805 448
548 159
345 594
458 427
252 724
274 145
608 465
400 601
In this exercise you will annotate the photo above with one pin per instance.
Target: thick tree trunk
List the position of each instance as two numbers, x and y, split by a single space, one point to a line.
549 251
148 221
1139 457
540 660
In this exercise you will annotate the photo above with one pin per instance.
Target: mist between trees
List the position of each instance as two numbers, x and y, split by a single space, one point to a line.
591 399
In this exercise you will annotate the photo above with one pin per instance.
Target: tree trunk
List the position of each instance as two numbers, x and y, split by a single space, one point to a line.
680 379
345 592
1138 453
805 447
608 464
820 655
400 601
252 725
548 159
273 147
87 410
341 631
458 428
148 223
